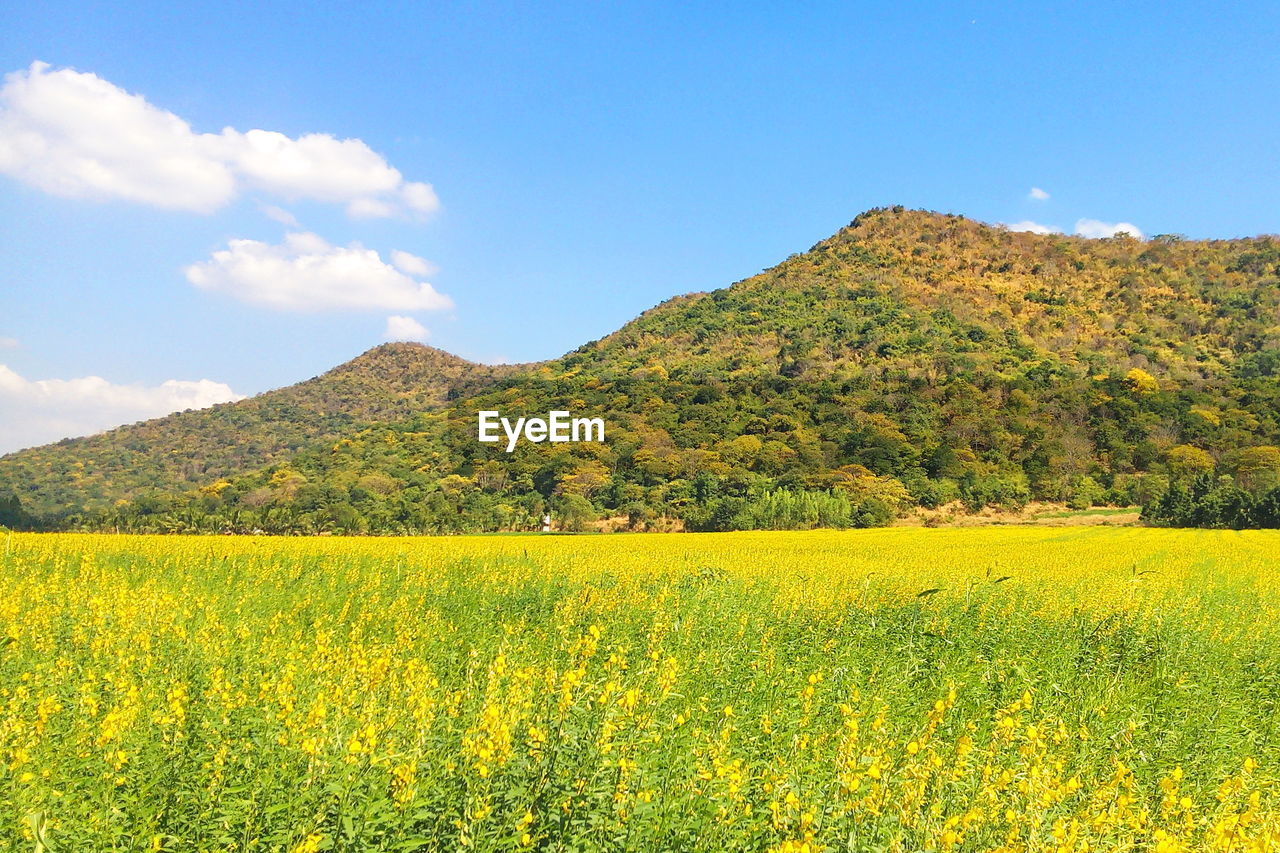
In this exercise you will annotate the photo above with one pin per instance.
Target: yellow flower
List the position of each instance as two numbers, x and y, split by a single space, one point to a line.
310 844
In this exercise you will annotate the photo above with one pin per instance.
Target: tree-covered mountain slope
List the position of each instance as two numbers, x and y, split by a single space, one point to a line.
912 358
190 449
923 292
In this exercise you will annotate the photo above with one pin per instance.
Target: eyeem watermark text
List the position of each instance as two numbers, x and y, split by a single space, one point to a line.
556 426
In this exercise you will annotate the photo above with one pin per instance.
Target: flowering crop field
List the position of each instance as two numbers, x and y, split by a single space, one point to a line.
994 689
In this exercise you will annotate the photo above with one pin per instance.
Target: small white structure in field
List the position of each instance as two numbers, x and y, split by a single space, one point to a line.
546 523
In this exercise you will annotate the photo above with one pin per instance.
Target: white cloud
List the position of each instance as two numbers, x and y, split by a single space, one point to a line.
279 214
405 329
77 135
306 273
370 208
1096 228
412 264
1033 227
40 411
74 134
1038 194
420 197
8 343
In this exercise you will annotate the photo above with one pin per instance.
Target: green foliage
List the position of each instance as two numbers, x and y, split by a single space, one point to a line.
13 516
1206 501
1087 493
1186 461
783 509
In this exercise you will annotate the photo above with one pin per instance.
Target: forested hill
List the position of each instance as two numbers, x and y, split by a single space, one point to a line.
920 291
189 449
912 358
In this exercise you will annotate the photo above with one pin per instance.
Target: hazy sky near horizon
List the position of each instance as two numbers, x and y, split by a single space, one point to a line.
201 201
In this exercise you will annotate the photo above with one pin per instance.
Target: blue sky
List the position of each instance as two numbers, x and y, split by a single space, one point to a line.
588 159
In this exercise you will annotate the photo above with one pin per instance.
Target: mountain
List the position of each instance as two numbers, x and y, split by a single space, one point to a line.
900 289
911 358
193 448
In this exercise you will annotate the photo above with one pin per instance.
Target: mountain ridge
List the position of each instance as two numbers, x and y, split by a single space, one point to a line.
385 382
925 349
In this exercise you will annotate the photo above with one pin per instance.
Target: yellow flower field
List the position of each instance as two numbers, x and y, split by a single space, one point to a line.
991 689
